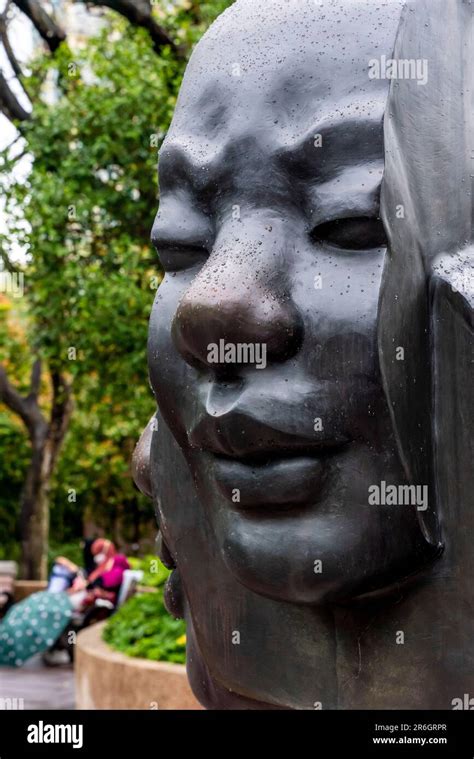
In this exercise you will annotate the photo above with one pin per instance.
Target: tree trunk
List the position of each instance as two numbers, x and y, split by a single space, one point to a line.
34 517
46 440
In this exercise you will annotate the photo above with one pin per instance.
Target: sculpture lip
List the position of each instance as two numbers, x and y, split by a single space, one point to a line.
264 483
261 458
273 472
244 439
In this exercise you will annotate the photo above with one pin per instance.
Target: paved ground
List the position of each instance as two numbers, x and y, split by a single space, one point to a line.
41 687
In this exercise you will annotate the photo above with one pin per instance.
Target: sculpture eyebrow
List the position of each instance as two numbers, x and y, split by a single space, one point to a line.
177 167
317 153
359 138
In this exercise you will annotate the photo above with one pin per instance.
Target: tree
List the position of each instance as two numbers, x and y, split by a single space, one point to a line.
84 215
46 437
137 12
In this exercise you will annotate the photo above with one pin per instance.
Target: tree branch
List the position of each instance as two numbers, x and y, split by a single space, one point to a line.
8 48
15 402
62 400
9 104
46 26
35 380
8 265
13 142
61 411
138 12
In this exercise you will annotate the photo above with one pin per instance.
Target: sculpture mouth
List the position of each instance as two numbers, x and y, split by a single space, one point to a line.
244 438
257 464
278 480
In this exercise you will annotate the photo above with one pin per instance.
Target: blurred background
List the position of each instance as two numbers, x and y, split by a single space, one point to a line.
87 92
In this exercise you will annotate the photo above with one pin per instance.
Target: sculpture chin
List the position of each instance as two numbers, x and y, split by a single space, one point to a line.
244 566
300 583
328 546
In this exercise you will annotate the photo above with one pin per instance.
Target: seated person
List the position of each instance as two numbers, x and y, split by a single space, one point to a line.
105 580
65 571
34 624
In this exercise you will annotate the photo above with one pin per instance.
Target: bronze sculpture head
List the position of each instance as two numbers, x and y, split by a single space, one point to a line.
295 465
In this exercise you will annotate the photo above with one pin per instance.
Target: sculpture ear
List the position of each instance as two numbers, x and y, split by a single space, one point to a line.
452 323
426 206
141 458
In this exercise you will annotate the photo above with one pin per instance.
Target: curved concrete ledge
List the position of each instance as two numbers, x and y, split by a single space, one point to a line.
107 679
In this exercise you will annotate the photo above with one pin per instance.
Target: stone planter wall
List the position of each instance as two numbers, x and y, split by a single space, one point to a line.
107 679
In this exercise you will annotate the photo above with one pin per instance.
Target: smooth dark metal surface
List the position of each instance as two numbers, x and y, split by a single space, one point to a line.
322 218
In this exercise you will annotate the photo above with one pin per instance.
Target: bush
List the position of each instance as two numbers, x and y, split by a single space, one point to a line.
155 573
143 628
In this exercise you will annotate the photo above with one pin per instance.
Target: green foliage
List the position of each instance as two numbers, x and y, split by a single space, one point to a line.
154 571
73 551
84 216
143 628
12 472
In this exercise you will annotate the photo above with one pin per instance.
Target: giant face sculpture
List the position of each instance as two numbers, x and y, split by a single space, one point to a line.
289 350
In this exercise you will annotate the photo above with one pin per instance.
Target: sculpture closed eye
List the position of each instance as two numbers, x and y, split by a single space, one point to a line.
358 233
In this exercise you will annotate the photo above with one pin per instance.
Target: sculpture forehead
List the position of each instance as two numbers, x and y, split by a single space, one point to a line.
273 70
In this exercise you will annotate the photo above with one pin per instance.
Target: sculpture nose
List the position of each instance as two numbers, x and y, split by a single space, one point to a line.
231 315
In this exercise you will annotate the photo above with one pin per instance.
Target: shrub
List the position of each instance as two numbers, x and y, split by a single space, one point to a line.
142 627
155 573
